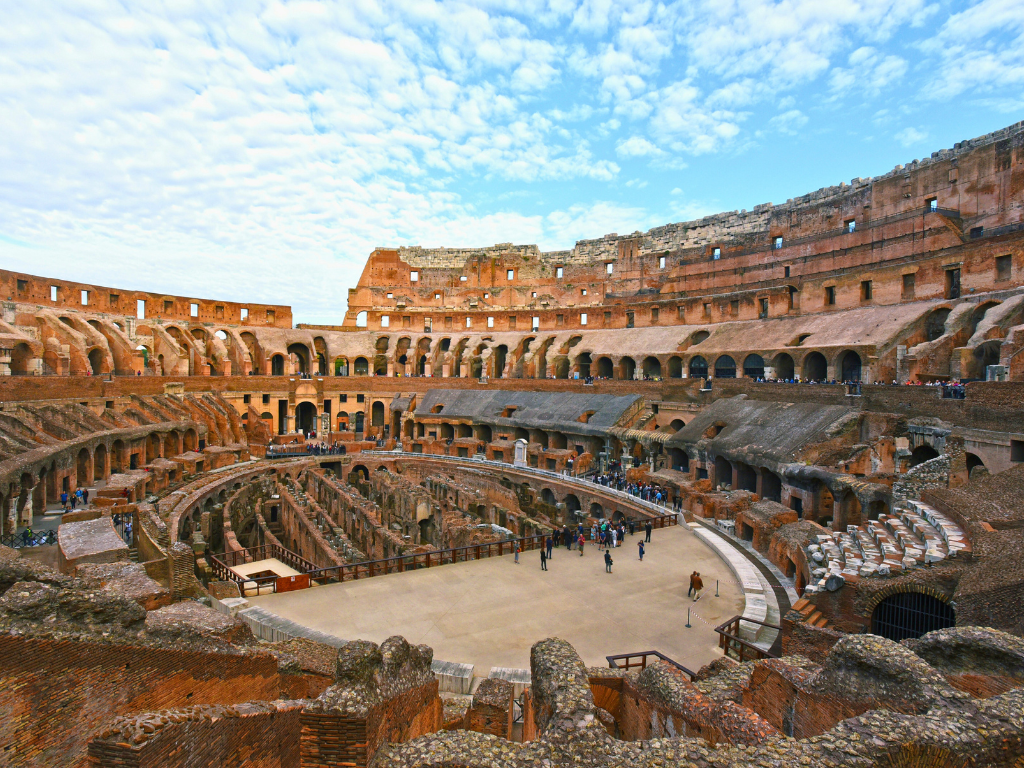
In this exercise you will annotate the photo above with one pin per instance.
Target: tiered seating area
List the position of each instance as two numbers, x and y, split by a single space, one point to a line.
915 536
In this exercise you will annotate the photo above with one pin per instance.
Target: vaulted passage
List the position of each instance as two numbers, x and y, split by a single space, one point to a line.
907 615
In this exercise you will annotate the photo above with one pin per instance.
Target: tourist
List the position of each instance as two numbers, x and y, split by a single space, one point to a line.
647 530
517 553
698 585
632 526
581 542
85 495
78 496
64 501
593 533
543 560
614 537
549 545
607 561
693 580
640 544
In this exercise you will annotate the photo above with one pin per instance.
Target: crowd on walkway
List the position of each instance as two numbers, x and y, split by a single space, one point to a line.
651 492
69 501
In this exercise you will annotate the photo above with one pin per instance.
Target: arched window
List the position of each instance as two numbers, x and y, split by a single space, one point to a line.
908 615
698 368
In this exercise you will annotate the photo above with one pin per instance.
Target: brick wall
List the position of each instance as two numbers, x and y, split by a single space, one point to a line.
492 709
82 685
253 735
331 738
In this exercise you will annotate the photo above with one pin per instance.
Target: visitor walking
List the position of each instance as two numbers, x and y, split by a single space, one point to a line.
64 501
641 545
698 585
693 579
581 542
543 560
615 534
549 546
607 561
85 495
647 530
517 553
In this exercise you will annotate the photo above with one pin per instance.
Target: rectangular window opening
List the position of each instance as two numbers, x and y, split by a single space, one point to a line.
830 296
609 267
932 203
385 321
661 262
851 225
22 286
140 309
734 307
53 293
490 322
559 271
193 310
1004 266
908 286
629 319
716 253
583 318
414 276
787 271
536 323
245 314
85 298
778 242
511 274
655 313
865 290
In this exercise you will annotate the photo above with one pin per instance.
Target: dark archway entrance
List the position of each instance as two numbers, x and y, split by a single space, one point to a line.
815 367
305 418
850 366
921 454
907 615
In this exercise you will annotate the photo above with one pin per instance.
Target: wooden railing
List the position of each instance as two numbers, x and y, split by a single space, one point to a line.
222 563
733 645
627 658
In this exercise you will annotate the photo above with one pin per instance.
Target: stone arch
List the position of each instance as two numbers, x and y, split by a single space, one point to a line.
152 447
675 367
305 417
680 459
627 368
848 365
725 367
21 359
596 510
377 414
172 444
605 369
584 364
361 366
753 366
651 367
907 611
277 365
723 471
698 368
96 361
935 323
784 367
676 425
572 504
191 440
302 357
548 496
815 367
562 367
99 462
83 473
973 461
921 454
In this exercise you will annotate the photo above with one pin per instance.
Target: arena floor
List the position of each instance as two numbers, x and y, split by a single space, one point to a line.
489 612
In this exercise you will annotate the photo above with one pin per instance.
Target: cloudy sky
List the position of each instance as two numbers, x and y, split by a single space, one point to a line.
251 150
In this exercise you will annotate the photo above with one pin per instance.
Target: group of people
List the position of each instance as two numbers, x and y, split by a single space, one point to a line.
647 491
607 536
72 500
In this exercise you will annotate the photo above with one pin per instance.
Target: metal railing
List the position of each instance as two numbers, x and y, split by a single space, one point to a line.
222 564
731 643
26 539
613 661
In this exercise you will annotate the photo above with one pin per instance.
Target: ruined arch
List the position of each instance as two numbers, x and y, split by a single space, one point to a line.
302 357
605 369
909 611
277 365
305 417
96 360
361 366
921 454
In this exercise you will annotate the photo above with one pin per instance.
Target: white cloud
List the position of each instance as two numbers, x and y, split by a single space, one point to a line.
636 146
789 122
909 137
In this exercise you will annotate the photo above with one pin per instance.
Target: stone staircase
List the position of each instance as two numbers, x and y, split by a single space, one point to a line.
811 614
915 535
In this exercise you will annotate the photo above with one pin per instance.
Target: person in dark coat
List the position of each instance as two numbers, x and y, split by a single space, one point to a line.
641 545
607 561
647 530
543 560
548 544
698 585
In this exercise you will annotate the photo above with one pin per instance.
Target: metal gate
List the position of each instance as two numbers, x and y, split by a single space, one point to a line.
910 615
517 709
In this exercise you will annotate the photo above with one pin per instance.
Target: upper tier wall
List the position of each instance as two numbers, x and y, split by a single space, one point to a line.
57 294
933 213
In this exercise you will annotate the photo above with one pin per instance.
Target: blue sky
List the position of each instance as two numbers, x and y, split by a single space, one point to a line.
257 151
